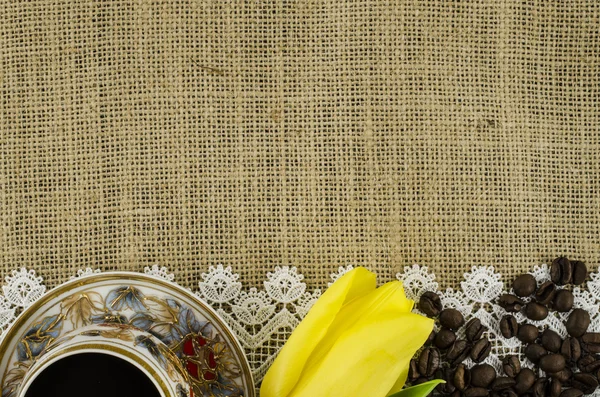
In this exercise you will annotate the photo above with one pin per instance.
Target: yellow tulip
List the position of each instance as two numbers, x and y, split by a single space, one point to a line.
357 340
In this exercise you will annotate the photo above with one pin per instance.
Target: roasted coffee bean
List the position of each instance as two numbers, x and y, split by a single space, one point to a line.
480 350
551 341
451 318
511 366
578 322
588 364
527 333
590 342
535 352
571 350
502 383
552 363
561 271
585 382
564 376
462 377
510 303
571 393
482 375
444 339
524 285
580 272
476 392
545 293
563 301
554 387
506 393
413 370
536 311
456 393
430 339
458 352
429 361
421 379
525 380
447 375
539 387
430 304
509 326
474 329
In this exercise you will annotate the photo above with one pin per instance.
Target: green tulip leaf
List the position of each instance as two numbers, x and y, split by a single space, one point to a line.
421 390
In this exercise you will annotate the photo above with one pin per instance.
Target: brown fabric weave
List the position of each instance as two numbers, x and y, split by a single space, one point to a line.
308 133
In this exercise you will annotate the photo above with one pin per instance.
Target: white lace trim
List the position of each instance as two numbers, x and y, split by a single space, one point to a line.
159 272
264 319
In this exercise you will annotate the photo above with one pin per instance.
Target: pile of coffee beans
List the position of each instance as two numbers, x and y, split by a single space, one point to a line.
567 367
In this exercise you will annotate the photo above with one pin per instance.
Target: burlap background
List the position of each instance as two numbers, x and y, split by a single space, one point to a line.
312 133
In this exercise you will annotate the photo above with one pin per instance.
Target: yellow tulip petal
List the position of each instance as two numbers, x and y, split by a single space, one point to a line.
387 300
367 359
289 364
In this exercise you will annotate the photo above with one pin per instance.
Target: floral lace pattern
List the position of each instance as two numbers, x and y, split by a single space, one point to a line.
264 319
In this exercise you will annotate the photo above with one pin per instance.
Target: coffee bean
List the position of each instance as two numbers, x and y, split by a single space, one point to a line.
563 301
561 271
571 393
590 342
591 337
536 311
535 352
552 363
511 366
444 339
447 375
525 380
421 379
506 393
474 329
554 387
430 304
462 377
509 326
545 292
578 322
510 303
502 383
524 285
564 376
571 350
539 387
588 364
482 375
456 393
451 318
585 382
429 361
551 341
580 272
430 338
480 350
458 352
476 392
527 333
413 370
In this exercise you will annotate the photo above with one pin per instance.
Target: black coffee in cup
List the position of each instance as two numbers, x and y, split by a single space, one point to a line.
92 375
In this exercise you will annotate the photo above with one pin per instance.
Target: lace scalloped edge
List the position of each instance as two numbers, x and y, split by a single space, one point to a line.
264 319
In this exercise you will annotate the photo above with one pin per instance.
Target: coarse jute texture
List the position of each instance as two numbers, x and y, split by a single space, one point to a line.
308 133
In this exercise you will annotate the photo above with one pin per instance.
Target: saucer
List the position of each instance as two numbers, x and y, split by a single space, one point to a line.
167 332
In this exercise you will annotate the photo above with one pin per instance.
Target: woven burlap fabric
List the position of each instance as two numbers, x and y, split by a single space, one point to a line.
308 133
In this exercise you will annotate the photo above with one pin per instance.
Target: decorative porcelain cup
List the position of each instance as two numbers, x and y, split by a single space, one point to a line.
158 328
